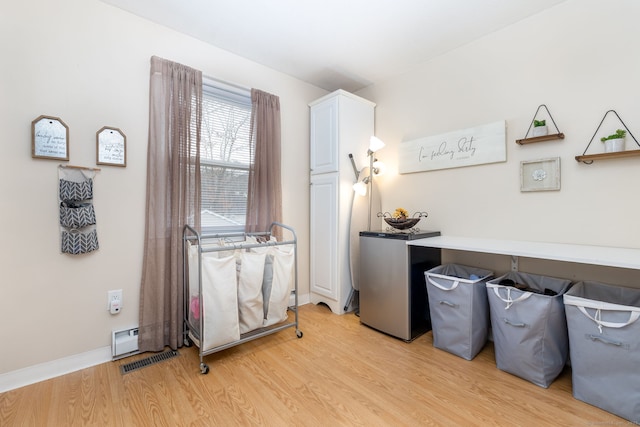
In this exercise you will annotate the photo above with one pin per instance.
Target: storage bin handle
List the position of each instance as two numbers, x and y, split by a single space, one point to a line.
450 304
439 286
510 301
518 325
604 340
633 316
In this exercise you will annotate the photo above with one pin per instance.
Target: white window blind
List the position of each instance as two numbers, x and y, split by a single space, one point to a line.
226 154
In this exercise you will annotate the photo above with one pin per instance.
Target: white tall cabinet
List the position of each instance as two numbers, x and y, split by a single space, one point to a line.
340 123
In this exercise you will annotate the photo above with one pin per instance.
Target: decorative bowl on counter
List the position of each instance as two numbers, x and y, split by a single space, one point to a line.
402 222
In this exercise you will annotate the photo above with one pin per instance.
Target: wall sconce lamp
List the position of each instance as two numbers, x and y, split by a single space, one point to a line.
361 187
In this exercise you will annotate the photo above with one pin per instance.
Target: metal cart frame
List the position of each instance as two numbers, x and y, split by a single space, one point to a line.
232 241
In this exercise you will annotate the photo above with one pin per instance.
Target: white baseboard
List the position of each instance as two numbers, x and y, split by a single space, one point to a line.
55 368
302 300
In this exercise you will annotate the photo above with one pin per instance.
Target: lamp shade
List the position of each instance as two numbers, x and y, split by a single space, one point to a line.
360 188
375 144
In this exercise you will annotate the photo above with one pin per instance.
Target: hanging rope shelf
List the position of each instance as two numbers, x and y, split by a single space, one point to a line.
589 158
548 137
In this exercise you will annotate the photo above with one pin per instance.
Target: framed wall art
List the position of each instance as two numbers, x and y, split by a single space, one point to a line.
540 175
49 138
111 147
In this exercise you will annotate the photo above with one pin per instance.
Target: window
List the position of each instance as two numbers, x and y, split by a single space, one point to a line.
226 153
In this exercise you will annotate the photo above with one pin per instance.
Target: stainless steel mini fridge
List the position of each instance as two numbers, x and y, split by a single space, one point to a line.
393 293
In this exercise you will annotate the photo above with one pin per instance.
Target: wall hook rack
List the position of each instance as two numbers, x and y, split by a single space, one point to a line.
529 140
589 158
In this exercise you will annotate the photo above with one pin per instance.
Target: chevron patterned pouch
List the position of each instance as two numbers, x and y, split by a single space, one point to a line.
78 242
77 215
78 233
71 190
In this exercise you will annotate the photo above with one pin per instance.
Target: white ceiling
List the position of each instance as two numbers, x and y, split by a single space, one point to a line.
336 44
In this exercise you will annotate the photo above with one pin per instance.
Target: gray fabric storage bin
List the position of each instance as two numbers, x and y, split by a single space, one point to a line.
529 329
459 308
604 338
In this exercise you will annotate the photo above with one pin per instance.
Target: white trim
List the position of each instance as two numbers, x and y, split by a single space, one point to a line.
229 86
228 91
583 254
302 300
55 368
342 93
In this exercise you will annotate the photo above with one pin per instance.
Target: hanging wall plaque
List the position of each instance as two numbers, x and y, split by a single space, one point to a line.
466 147
49 138
111 147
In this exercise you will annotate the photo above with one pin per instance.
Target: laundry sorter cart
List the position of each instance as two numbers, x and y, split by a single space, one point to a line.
604 342
238 287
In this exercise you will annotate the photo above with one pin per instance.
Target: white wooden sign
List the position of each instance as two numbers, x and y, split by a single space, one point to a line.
467 147
111 147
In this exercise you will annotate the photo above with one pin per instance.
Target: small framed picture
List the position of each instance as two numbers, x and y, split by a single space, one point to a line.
49 138
111 147
540 175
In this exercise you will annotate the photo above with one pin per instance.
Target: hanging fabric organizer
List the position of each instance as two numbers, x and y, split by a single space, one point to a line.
77 215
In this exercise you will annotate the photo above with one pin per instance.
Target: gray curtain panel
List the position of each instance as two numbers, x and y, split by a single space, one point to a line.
173 198
264 199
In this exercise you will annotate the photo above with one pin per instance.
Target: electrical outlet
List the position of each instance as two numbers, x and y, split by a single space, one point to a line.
114 296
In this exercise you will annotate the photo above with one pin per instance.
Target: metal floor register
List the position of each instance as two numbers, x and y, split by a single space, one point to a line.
148 361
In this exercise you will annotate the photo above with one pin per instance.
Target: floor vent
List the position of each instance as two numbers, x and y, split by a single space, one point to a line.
151 360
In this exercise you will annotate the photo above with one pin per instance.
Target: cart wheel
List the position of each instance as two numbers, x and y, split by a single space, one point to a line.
204 368
299 333
187 342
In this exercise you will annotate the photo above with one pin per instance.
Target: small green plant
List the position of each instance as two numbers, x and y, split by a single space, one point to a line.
537 123
619 134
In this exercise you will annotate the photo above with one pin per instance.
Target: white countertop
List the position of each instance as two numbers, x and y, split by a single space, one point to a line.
584 254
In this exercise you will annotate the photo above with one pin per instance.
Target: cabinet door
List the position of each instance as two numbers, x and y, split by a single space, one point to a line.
324 235
324 137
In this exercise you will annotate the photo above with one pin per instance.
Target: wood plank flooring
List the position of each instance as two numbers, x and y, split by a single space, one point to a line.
340 373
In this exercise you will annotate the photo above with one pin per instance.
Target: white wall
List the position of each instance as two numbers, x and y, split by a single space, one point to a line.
580 59
88 63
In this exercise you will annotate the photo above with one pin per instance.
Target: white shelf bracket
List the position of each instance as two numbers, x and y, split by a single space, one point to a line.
514 263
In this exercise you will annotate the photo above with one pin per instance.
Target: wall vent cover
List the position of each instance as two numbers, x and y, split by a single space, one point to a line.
148 361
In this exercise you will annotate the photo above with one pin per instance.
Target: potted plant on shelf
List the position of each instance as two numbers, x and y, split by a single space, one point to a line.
540 128
614 142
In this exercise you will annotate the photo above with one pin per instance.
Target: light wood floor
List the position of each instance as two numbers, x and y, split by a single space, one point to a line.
340 373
